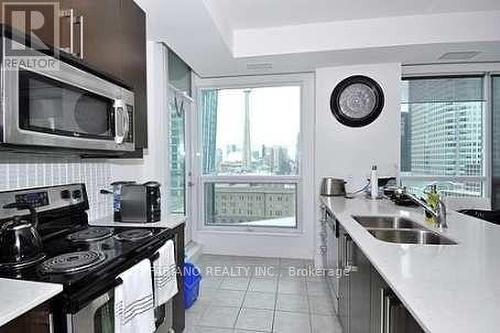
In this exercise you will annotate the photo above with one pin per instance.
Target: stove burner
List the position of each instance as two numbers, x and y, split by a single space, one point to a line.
22 264
72 262
91 234
133 235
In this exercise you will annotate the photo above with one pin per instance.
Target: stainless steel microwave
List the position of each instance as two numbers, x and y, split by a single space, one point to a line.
63 106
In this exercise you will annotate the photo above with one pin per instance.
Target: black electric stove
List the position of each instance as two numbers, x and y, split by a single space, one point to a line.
85 259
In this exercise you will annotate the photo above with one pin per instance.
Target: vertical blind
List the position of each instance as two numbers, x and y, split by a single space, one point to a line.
447 89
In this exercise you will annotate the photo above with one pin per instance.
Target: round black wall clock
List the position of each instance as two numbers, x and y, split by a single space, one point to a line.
357 101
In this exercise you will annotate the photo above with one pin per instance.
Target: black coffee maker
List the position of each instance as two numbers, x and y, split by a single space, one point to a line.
140 203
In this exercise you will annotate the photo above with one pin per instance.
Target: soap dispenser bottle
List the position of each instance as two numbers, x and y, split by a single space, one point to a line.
374 182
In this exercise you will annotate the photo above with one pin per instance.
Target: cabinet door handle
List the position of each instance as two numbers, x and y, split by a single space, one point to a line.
352 265
345 262
69 13
51 322
382 310
79 21
387 313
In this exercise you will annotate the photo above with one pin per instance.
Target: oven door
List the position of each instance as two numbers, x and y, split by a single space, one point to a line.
99 316
67 108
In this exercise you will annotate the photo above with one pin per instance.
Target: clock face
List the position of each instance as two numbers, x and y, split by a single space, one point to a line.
357 101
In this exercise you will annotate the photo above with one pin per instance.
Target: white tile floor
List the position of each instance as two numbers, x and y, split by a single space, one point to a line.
248 294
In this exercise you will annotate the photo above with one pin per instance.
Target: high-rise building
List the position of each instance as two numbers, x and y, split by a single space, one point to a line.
446 139
177 157
209 99
442 132
405 140
239 203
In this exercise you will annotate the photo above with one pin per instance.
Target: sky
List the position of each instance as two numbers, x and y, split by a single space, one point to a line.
274 117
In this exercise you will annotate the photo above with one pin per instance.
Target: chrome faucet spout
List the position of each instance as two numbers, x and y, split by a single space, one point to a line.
439 213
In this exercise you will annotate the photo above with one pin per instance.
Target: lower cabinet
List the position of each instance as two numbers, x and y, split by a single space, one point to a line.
331 257
37 320
360 289
355 287
388 314
344 283
366 303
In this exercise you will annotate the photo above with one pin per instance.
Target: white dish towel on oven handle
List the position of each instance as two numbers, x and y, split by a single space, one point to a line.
165 274
134 305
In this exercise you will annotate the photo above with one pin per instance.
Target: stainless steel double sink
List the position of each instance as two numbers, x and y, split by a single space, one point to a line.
396 229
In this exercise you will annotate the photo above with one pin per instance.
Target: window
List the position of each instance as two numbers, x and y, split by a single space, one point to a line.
250 161
179 82
177 160
443 135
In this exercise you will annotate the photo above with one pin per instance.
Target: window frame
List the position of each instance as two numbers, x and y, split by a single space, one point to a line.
188 102
304 152
486 178
491 76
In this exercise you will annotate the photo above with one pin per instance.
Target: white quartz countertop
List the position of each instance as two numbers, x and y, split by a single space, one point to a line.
18 297
169 221
447 288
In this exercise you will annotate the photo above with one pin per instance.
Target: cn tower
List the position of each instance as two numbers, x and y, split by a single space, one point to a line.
247 148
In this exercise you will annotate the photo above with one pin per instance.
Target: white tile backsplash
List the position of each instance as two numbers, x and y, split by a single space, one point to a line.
20 171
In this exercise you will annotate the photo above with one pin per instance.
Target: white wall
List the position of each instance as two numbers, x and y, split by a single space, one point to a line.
155 162
346 152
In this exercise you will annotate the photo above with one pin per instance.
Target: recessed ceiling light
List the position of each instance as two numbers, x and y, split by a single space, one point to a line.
459 55
260 66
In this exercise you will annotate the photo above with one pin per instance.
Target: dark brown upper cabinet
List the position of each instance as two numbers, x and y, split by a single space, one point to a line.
133 59
94 35
110 37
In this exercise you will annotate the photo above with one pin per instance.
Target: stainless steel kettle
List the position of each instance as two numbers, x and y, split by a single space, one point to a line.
20 242
332 187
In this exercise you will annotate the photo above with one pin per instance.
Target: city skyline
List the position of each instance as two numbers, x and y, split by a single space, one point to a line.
273 160
253 144
274 117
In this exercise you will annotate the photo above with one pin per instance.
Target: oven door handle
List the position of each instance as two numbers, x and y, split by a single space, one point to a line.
119 281
155 256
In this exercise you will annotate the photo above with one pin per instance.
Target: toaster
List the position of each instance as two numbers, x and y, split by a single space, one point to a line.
140 203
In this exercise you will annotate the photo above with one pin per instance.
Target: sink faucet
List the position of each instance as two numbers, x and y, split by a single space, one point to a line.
439 213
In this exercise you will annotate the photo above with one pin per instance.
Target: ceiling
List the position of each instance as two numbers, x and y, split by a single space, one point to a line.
244 14
249 37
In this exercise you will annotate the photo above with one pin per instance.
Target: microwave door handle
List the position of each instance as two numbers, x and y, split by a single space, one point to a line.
119 122
126 125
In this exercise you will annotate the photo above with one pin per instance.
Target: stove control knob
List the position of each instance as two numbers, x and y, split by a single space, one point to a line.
77 194
65 194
